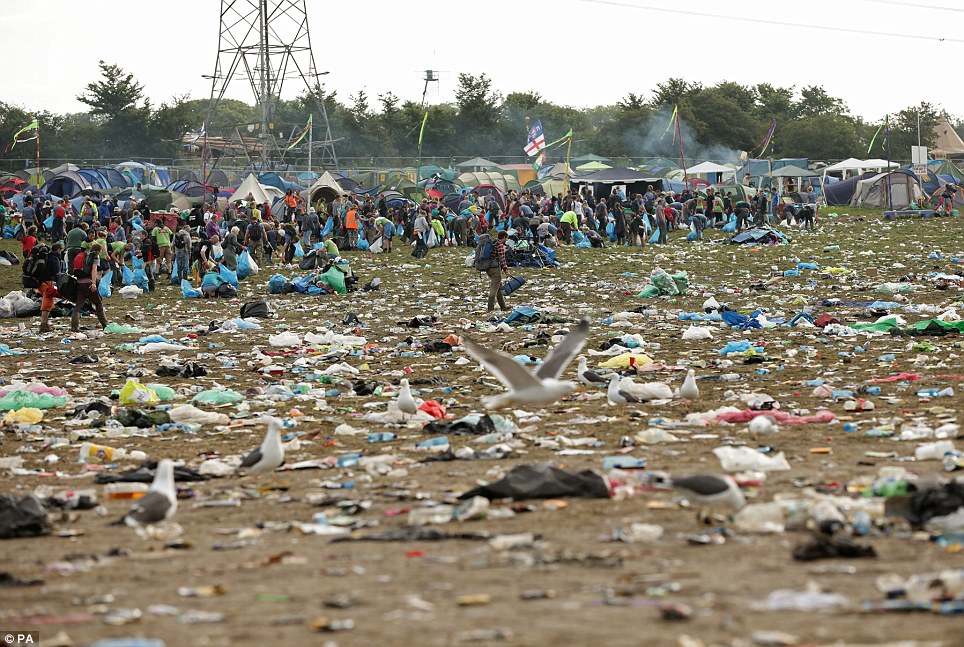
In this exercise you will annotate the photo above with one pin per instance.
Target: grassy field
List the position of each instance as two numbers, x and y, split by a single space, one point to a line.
566 585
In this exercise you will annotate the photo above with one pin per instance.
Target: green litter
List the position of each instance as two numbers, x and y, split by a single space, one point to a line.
218 396
16 400
117 328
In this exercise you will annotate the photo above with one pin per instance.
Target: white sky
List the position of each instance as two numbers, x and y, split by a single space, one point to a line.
573 52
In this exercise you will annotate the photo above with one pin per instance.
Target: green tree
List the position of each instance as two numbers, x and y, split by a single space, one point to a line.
115 94
774 102
904 130
808 137
814 100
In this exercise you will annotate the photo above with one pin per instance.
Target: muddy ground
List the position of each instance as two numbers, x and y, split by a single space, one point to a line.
568 585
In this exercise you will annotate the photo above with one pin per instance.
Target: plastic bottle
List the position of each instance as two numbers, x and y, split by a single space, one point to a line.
381 437
623 463
438 441
934 451
100 453
348 460
862 523
953 461
928 393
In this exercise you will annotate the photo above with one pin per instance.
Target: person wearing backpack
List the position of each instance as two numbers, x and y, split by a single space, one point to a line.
490 260
254 239
45 273
88 277
182 251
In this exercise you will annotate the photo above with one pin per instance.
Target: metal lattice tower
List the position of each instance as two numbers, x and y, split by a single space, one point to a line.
267 42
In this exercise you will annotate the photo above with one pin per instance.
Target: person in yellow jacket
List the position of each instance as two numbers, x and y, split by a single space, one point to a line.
569 223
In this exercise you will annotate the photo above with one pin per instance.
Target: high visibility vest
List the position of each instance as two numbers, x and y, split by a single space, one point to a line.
351 220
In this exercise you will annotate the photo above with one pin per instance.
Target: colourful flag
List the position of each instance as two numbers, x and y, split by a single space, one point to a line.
537 140
766 140
304 133
672 122
561 140
421 132
33 125
201 133
539 160
885 127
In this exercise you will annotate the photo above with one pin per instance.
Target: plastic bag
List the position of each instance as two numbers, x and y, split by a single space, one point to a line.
49 222
363 245
116 328
175 273
335 279
229 276
286 338
376 247
103 286
648 291
218 396
140 279
189 292
164 393
664 282
611 231
137 394
188 414
682 281
654 239
299 250
275 284
244 265
17 399
739 459
255 268
127 274
691 236
130 292
29 415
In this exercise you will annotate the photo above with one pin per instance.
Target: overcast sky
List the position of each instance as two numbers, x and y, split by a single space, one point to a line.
573 52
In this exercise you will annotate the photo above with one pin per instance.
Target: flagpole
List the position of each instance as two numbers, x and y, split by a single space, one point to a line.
682 157
890 193
39 174
311 132
204 166
565 185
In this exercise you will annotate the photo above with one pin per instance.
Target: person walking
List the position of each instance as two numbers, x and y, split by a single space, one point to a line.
87 267
497 269
48 287
254 239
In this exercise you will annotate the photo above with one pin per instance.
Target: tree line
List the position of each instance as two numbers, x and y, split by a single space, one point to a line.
717 122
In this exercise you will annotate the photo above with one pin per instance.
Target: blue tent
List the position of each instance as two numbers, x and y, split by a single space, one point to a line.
116 179
842 192
65 185
275 180
95 178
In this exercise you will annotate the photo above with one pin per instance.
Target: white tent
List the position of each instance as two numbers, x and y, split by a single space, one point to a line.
251 185
709 167
325 187
857 166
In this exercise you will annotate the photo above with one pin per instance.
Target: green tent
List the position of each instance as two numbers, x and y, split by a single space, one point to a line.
592 166
589 157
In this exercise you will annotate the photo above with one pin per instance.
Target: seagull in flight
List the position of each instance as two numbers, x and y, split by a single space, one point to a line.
270 455
542 387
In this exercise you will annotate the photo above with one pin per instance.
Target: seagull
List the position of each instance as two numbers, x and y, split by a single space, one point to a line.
160 502
689 390
270 455
616 395
587 376
762 425
542 387
405 402
710 490
646 391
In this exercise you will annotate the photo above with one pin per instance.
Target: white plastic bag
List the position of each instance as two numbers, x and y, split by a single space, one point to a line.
188 414
130 292
286 338
740 459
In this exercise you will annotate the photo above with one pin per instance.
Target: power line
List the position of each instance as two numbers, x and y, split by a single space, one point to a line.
917 6
763 21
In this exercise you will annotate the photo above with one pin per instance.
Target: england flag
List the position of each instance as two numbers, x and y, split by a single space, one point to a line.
537 140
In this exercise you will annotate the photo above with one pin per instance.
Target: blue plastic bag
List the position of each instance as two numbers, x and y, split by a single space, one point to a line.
691 236
127 275
329 225
611 231
103 286
188 291
140 279
299 252
275 284
363 246
654 239
136 263
730 226
244 265
229 276
49 222
175 273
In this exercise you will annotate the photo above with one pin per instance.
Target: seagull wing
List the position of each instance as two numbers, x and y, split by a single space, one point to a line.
512 374
563 352
702 484
149 509
593 376
629 397
252 459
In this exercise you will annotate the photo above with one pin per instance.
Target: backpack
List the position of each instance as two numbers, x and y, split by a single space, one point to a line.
155 249
483 253
179 242
35 268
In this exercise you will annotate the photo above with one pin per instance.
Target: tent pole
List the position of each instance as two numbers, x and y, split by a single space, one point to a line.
682 157
38 153
890 194
311 129
204 164
565 183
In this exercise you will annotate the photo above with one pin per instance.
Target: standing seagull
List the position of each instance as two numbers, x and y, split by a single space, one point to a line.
587 376
405 402
616 395
540 388
270 455
160 502
689 390
710 490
